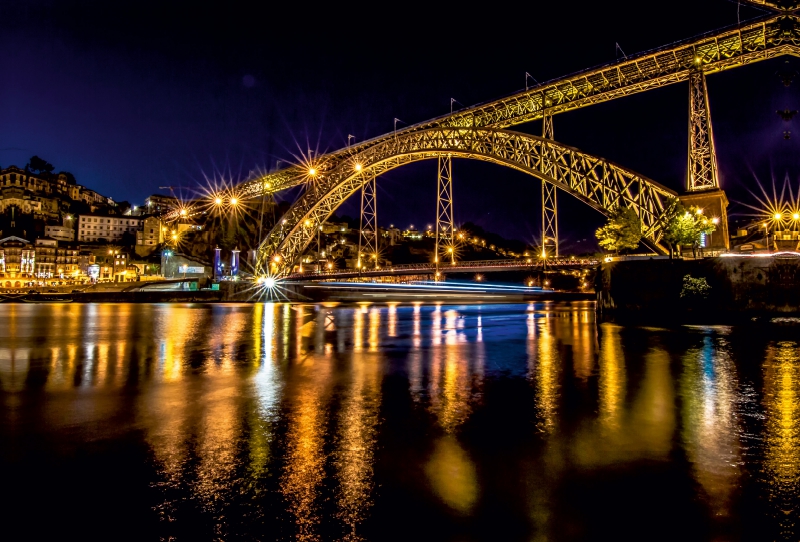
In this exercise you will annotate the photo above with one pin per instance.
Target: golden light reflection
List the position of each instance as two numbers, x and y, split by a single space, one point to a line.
782 438
453 475
357 437
451 386
392 320
710 428
612 378
306 398
544 370
415 356
268 385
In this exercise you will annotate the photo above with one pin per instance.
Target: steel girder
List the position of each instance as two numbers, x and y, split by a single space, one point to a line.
777 5
549 201
369 234
771 37
595 181
445 225
702 170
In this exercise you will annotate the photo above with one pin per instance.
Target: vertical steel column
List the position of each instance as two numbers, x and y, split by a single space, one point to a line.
702 171
368 237
444 207
549 203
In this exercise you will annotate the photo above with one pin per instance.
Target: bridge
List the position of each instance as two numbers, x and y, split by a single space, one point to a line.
482 266
483 132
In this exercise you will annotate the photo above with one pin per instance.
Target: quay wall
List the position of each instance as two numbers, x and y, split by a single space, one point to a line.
744 285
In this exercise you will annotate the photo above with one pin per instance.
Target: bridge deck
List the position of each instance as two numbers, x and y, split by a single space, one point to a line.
483 266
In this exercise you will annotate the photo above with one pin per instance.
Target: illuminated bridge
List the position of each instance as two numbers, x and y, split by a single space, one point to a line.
484 266
484 132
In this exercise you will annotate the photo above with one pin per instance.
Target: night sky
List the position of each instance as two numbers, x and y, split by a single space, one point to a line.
133 97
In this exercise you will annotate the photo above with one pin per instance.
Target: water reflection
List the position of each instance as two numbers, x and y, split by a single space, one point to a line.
711 429
782 409
319 422
357 435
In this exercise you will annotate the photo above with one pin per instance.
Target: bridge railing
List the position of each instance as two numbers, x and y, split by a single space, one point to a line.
450 267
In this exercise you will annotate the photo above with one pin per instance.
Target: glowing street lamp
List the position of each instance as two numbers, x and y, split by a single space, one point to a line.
234 200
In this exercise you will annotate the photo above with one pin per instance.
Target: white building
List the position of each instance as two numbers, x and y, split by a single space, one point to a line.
111 228
60 233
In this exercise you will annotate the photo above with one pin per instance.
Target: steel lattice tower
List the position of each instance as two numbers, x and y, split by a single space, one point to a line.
549 203
702 159
445 229
368 238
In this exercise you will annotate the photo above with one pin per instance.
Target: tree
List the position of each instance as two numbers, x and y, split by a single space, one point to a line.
622 231
684 227
40 165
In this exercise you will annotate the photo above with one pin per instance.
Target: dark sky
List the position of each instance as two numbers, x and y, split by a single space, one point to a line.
146 94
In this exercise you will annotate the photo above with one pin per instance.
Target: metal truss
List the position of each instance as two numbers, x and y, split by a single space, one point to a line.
777 5
445 227
549 201
702 170
776 35
369 238
595 181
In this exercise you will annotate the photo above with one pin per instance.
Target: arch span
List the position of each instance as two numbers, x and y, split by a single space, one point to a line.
597 182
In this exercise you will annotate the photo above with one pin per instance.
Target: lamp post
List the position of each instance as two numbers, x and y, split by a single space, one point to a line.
714 221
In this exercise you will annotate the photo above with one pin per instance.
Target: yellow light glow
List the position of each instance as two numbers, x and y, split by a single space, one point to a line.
312 171
276 258
699 211
217 201
183 212
715 220
234 201
358 167
307 223
778 216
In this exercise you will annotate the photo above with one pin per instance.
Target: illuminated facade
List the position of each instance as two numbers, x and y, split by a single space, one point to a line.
44 196
17 261
109 228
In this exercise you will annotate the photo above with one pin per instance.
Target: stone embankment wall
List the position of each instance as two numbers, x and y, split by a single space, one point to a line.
743 285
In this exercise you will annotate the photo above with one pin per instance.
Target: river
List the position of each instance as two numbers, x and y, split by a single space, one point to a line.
393 422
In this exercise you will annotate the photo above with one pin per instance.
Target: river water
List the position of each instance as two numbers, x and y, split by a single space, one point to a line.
399 422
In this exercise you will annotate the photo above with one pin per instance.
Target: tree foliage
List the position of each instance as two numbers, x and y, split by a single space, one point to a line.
40 165
622 231
684 227
695 289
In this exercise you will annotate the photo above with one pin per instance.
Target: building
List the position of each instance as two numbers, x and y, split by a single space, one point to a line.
60 233
92 228
45 257
158 203
45 196
54 261
17 262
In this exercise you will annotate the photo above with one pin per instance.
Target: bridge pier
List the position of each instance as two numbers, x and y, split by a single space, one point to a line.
714 204
702 184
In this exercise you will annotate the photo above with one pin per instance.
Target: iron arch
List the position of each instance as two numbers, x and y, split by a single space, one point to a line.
597 182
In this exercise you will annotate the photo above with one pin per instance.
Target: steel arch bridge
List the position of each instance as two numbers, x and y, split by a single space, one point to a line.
595 181
480 132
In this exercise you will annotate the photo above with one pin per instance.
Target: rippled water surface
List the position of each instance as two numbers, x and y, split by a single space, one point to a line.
374 422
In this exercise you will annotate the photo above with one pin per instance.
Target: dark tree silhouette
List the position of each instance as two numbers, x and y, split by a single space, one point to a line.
40 165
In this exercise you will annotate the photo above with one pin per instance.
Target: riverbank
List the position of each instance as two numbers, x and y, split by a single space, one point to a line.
244 292
731 287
